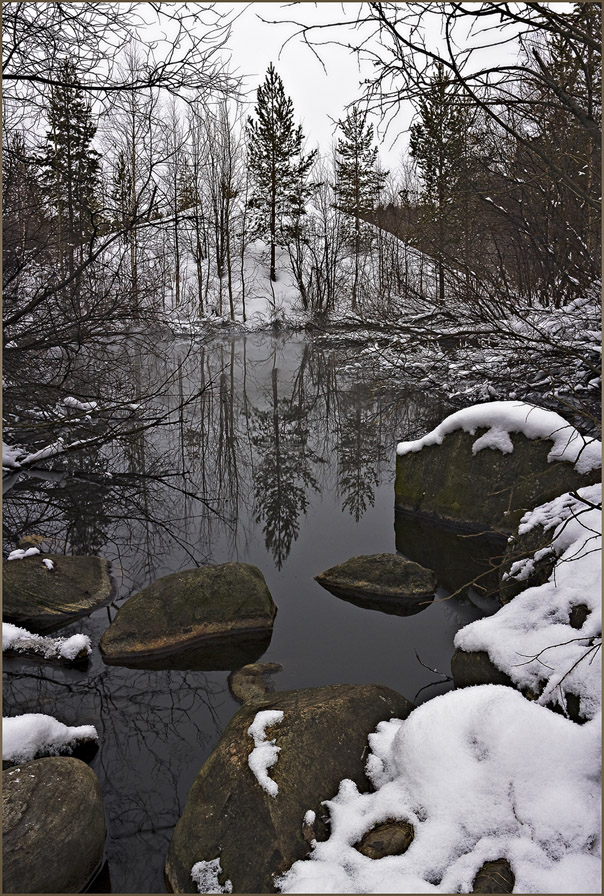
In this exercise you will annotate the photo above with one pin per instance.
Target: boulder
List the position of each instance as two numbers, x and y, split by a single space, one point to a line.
53 826
214 617
321 739
536 572
44 600
476 667
252 681
488 490
383 582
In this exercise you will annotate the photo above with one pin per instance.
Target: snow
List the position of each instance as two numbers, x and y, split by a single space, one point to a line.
71 402
265 753
11 456
481 774
504 417
19 639
48 563
21 553
26 736
309 817
205 875
531 638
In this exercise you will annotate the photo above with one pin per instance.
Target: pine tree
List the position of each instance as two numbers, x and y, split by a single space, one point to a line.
359 182
277 165
438 143
71 166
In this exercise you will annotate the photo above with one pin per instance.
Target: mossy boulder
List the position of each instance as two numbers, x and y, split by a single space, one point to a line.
476 667
43 600
534 572
322 737
488 490
383 582
214 617
390 838
53 826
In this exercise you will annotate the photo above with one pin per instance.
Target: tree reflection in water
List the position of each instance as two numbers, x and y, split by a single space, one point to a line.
266 441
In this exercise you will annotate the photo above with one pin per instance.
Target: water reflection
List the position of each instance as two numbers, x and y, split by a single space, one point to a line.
272 452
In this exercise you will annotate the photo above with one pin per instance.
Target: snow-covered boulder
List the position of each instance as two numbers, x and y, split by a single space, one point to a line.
485 466
260 793
546 640
383 582
42 598
214 617
53 826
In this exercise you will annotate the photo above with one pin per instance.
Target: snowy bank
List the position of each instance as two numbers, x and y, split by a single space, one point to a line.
481 774
532 638
27 736
501 418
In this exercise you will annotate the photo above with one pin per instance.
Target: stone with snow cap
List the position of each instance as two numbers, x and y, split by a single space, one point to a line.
43 600
486 465
322 737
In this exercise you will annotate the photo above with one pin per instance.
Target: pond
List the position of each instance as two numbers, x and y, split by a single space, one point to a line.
278 453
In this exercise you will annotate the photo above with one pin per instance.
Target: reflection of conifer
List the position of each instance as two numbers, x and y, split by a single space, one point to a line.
358 449
283 476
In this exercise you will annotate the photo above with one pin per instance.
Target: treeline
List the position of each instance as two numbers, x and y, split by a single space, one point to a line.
134 184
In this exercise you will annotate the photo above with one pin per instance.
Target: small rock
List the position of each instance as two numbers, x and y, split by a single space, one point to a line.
383 582
252 681
391 838
494 877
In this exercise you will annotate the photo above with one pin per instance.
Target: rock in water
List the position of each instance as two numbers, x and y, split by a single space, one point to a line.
383 582
42 601
252 681
322 738
215 617
53 826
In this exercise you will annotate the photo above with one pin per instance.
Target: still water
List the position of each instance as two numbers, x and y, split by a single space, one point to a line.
283 455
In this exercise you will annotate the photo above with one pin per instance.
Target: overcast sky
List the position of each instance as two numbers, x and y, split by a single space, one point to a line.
318 96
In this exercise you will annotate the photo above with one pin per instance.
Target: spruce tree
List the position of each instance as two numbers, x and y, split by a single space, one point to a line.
438 143
359 182
278 168
71 166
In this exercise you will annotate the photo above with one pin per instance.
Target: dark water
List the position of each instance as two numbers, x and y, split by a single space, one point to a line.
282 458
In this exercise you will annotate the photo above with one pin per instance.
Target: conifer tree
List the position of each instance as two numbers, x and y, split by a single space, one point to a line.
71 166
438 143
278 167
359 182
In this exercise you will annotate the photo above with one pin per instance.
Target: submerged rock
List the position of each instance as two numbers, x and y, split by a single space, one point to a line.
214 617
42 599
321 738
253 681
53 826
383 582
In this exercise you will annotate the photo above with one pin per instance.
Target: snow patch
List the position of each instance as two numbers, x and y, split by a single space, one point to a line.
504 417
21 553
482 774
19 639
24 737
205 875
265 753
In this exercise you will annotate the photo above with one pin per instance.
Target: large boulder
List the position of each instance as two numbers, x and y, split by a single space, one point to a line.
485 466
321 738
43 600
383 582
214 617
53 826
